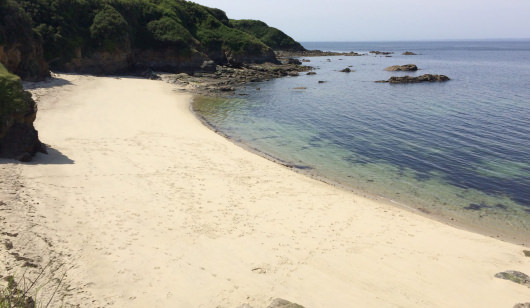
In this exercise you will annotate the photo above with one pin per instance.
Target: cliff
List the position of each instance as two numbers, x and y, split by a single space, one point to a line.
20 47
18 137
114 36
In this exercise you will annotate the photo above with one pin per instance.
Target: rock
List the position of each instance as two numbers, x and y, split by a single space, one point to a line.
311 73
526 253
346 70
409 53
294 74
294 61
18 137
306 60
422 78
322 81
381 52
300 88
282 303
522 305
515 276
406 67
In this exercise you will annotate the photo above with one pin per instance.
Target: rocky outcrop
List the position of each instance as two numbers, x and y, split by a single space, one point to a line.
412 79
21 49
346 70
384 53
315 53
515 276
409 53
406 67
18 137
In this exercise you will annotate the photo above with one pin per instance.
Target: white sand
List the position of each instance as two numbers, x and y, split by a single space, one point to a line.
149 208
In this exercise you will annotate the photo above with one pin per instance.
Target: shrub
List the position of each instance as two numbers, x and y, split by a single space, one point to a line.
109 29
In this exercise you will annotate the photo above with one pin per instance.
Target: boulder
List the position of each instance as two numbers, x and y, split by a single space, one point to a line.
406 67
311 73
411 79
409 53
346 70
515 276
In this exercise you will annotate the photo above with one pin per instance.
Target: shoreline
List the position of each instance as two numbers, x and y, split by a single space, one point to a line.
148 206
509 237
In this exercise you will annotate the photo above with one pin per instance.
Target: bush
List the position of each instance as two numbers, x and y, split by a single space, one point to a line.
109 29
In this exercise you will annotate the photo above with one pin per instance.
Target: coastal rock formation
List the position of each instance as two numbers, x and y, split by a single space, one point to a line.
411 79
409 53
515 276
384 53
315 53
406 67
18 137
21 49
346 70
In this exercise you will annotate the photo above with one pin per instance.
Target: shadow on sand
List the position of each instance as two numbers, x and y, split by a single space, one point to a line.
54 157
48 83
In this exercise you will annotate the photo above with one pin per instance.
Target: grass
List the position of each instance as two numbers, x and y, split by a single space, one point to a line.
23 293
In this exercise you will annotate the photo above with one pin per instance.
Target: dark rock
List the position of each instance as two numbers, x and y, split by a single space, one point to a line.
322 81
306 60
409 53
422 78
346 70
226 89
515 276
381 52
526 253
282 303
311 73
522 305
406 67
294 61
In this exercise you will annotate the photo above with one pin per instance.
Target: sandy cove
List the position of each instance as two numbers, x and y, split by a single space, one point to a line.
143 206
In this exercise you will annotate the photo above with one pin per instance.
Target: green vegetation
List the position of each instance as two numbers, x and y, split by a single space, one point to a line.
13 98
272 37
70 28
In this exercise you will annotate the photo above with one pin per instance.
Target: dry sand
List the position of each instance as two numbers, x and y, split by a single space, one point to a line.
146 207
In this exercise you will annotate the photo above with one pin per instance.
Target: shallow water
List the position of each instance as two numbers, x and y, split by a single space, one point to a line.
458 149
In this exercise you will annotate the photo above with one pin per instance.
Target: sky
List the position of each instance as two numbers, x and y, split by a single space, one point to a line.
386 20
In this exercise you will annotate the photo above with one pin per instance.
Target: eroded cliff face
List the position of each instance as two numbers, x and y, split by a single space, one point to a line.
21 49
18 137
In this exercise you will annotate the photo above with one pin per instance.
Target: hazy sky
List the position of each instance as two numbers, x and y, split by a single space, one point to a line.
377 20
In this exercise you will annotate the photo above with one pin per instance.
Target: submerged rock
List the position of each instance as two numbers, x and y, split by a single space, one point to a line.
515 276
422 78
375 52
406 67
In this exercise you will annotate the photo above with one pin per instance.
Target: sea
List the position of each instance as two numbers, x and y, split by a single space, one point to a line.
457 151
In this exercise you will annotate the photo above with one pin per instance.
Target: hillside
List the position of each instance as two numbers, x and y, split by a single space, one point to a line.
113 36
270 36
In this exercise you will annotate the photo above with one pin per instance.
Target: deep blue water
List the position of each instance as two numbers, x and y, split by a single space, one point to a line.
459 149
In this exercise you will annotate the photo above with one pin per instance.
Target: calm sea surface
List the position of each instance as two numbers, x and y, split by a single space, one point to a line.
459 149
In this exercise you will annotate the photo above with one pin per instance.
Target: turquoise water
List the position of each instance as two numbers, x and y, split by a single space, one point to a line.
459 150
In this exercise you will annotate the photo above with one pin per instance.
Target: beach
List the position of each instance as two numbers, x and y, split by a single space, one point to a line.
138 204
